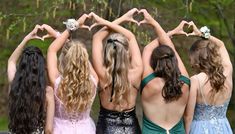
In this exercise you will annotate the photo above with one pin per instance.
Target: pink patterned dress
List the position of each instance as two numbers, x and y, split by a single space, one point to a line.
72 123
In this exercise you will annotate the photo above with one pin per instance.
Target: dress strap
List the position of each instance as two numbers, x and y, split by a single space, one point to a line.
153 75
200 89
146 80
185 80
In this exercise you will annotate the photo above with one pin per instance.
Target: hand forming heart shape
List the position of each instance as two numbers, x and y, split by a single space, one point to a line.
186 28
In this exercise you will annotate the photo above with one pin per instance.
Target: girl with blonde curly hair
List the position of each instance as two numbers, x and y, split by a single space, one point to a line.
74 82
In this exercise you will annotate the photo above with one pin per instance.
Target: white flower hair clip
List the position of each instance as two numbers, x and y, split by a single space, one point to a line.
71 24
205 32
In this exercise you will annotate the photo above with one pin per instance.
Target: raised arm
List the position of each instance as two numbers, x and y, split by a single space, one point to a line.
51 32
56 45
11 67
163 38
97 45
226 62
146 56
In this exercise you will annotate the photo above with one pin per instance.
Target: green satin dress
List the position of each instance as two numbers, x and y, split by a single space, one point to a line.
151 128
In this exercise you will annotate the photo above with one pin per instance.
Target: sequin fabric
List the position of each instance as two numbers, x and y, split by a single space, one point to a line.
210 119
210 112
112 122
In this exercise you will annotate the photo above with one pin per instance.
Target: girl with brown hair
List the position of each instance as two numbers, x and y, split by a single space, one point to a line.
211 88
164 86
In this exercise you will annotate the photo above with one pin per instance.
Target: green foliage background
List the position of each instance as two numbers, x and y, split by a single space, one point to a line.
18 17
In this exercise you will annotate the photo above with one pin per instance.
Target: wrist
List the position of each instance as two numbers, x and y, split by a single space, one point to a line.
171 33
26 38
71 24
153 23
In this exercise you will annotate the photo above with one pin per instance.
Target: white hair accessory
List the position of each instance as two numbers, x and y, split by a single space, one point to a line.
205 32
71 24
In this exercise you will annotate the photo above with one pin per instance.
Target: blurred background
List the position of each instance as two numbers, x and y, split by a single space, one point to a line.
18 17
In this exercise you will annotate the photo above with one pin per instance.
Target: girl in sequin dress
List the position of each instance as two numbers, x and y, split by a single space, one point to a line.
119 67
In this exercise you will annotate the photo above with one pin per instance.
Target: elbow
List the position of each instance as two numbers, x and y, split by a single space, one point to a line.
148 49
9 61
50 48
188 118
130 36
48 131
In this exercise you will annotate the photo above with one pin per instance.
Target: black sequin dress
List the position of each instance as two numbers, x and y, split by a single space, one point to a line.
113 122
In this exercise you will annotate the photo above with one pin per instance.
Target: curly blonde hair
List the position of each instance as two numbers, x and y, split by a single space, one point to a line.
119 69
75 89
205 57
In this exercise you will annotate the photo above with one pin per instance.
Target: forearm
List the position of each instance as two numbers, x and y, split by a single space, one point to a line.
119 29
58 43
151 46
162 35
18 51
170 33
104 32
187 124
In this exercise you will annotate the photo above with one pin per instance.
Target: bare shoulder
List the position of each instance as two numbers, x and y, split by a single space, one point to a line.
194 81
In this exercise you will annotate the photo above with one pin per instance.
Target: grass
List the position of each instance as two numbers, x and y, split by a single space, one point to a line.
3 123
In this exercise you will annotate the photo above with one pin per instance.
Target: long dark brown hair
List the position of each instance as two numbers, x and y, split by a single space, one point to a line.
165 64
205 58
27 93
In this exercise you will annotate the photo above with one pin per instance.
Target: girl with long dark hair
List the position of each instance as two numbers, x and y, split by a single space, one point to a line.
119 67
165 86
211 87
29 97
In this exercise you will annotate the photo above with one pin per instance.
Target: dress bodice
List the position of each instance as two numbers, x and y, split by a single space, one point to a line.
60 111
205 111
209 112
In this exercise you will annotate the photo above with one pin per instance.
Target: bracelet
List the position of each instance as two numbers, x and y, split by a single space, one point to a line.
71 24
57 34
205 32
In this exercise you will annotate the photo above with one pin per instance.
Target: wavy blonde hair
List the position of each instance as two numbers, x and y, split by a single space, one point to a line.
120 71
75 89
205 57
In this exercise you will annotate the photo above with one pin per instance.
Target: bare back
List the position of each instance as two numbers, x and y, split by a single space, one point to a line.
204 91
105 94
155 108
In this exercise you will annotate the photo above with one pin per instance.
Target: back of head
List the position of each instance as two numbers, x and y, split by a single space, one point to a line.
27 93
165 64
116 61
205 57
75 89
